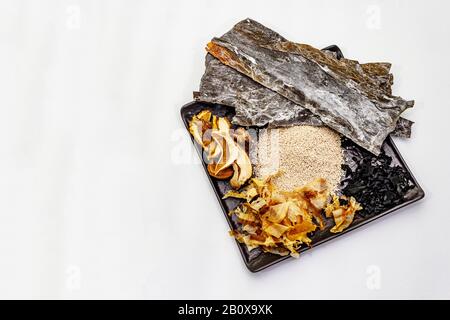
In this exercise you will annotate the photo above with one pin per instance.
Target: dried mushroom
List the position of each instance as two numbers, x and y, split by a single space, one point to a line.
242 169
223 146
219 174
199 124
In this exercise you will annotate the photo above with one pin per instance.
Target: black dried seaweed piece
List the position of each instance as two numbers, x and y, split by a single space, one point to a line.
373 180
341 105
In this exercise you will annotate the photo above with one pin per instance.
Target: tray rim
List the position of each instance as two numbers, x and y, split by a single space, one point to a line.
420 195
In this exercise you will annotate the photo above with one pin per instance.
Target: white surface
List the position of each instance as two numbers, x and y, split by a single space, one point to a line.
98 198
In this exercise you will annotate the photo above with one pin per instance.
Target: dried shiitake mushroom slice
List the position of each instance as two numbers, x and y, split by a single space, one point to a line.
219 174
242 169
225 150
242 136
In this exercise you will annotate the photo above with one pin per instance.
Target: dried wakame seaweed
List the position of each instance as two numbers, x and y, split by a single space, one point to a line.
375 181
343 101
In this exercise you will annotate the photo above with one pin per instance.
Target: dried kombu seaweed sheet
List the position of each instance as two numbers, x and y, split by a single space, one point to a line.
343 100
373 79
403 128
256 105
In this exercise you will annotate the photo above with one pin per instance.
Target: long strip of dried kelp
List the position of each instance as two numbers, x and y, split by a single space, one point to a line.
256 105
373 79
345 106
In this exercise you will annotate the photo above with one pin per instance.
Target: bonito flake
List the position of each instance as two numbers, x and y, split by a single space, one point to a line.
280 222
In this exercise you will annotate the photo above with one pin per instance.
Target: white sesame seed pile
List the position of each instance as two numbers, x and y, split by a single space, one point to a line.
302 154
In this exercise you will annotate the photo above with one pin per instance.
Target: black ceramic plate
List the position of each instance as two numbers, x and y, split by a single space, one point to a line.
257 260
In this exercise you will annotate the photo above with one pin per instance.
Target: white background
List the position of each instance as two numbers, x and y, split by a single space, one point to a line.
101 195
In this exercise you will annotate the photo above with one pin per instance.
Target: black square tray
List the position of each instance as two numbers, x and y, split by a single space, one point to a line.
257 260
